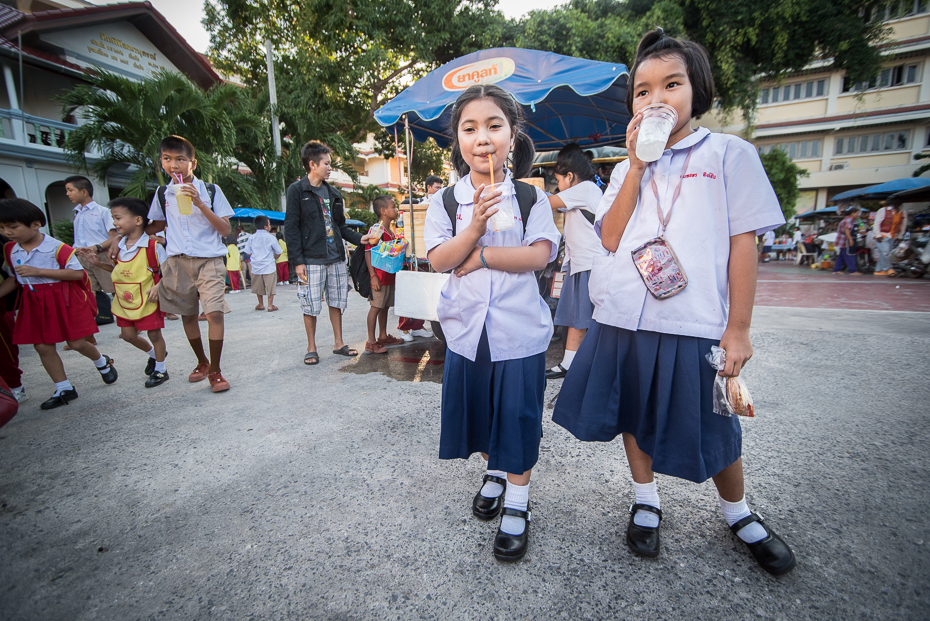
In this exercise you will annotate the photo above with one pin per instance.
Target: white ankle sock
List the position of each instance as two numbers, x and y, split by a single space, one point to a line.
160 366
151 353
567 358
100 363
647 494
733 512
60 387
492 489
516 497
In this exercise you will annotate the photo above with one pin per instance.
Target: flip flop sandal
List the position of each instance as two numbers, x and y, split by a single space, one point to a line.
311 358
272 309
345 350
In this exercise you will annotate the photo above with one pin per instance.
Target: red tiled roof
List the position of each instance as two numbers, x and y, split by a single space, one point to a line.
9 16
846 117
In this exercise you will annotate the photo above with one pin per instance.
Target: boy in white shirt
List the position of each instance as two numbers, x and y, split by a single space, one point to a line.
93 230
263 249
194 272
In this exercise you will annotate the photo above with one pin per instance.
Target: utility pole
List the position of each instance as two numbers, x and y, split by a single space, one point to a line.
275 124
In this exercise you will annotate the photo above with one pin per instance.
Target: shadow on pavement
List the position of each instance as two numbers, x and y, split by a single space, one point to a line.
419 361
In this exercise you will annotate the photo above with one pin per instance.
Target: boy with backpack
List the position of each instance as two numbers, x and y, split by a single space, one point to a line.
382 283
194 270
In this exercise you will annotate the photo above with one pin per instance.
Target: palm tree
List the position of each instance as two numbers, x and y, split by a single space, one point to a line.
124 120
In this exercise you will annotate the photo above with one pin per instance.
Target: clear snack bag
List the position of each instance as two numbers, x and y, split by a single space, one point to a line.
659 268
731 395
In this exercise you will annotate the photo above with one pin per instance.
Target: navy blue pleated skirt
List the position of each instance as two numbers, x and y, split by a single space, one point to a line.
575 308
494 408
658 388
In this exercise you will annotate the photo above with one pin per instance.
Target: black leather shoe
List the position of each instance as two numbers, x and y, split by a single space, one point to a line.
109 376
486 508
150 366
511 548
60 399
156 379
550 374
771 552
643 540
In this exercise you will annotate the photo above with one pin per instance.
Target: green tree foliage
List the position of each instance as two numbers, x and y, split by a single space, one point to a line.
783 174
124 120
745 39
362 197
365 215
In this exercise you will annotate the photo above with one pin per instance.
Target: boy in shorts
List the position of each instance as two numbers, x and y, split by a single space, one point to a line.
314 226
263 249
194 271
382 283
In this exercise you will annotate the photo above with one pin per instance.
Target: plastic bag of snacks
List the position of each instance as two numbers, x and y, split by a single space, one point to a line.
731 395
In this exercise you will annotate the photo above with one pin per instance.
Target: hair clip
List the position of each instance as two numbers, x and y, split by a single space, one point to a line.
660 30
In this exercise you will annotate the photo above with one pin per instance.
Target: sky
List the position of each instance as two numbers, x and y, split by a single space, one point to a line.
186 15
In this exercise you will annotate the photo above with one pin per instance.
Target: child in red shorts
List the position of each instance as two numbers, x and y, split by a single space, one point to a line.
56 303
134 278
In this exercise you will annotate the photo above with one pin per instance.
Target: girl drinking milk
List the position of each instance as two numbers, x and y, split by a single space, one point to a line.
496 325
641 371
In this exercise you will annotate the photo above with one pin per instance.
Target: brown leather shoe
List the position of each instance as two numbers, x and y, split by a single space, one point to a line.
390 340
199 373
218 383
375 348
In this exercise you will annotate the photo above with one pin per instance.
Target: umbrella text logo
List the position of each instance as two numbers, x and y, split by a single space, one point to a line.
482 72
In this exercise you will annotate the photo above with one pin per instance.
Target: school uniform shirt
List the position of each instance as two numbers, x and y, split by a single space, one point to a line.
508 305
262 249
768 239
192 235
724 192
41 257
92 224
282 258
233 260
582 244
126 253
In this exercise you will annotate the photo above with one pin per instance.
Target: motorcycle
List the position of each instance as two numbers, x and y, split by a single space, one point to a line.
913 258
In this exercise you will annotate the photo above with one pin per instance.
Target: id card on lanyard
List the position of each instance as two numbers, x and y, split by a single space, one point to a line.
655 260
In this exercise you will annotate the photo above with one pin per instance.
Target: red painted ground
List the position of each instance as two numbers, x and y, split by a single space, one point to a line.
783 284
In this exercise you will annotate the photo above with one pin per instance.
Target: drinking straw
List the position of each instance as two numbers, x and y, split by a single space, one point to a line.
491 162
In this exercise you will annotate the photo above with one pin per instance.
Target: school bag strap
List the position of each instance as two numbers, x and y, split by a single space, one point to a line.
8 255
63 255
526 198
588 215
163 201
151 255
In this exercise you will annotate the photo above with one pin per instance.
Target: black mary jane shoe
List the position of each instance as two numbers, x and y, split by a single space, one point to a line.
156 379
60 399
109 376
486 508
150 367
771 552
550 374
510 548
643 540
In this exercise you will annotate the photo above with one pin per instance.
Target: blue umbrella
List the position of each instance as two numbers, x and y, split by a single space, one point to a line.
247 212
884 190
565 99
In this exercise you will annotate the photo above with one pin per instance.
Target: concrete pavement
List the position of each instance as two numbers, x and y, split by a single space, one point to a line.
316 493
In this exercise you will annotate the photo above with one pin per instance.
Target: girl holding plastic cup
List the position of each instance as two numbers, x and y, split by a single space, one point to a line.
689 220
496 325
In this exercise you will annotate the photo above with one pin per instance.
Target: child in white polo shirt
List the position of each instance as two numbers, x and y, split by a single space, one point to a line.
641 370
262 249
193 274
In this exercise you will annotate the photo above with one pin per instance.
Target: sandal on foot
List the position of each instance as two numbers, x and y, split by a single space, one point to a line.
311 358
390 339
272 309
259 307
375 348
484 507
771 552
345 350
643 540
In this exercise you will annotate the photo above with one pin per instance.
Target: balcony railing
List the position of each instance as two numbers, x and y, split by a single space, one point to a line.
38 130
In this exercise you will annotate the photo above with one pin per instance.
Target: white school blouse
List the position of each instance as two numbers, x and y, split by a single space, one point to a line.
582 244
127 253
92 224
192 235
725 192
508 305
262 248
43 257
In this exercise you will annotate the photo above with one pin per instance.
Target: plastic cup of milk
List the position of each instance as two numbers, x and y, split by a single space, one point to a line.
654 131
503 219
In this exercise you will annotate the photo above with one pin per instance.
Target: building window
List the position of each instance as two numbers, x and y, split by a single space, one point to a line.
872 143
838 146
764 96
799 90
890 76
899 8
774 94
795 150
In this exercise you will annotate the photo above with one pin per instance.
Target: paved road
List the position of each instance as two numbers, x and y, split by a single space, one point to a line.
315 493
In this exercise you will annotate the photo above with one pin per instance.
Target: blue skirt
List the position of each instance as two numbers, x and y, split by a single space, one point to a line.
575 307
658 388
494 408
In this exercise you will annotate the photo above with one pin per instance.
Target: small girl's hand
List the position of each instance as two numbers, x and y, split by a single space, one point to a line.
26 271
739 351
471 264
484 208
153 294
632 132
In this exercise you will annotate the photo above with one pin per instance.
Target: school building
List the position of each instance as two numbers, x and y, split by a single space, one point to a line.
46 46
851 135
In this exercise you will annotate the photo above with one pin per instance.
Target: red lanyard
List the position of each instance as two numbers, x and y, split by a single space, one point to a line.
663 220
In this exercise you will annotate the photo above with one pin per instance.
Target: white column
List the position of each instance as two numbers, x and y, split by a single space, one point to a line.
834 87
14 100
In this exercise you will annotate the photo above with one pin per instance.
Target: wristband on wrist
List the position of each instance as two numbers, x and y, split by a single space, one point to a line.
481 256
98 247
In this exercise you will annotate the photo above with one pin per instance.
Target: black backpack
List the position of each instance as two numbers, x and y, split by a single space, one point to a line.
358 270
526 198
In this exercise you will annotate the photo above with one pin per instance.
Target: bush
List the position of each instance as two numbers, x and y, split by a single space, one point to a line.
368 217
63 231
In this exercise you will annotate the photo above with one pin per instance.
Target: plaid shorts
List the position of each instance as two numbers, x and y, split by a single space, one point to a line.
334 278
